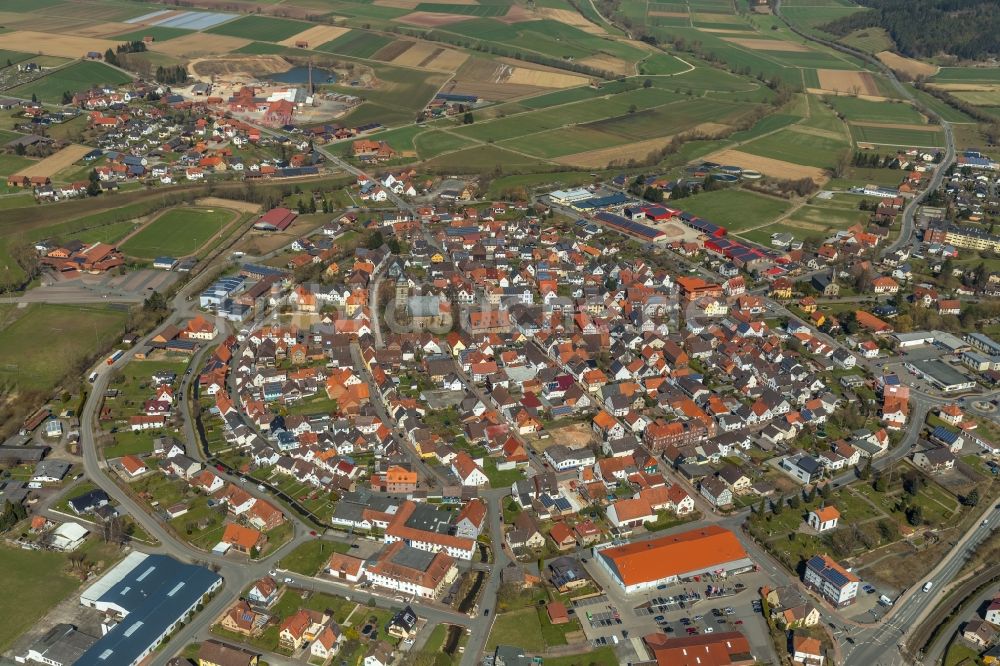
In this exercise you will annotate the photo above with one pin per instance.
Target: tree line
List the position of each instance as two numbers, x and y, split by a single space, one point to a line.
963 28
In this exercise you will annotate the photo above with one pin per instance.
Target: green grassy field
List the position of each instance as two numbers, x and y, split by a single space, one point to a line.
72 78
853 108
547 37
432 144
28 5
264 28
46 341
805 149
871 40
307 558
160 34
11 163
482 11
967 75
398 102
735 209
34 582
177 233
894 136
356 43
8 58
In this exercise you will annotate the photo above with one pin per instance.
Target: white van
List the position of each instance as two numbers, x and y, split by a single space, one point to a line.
928 585
885 601
93 377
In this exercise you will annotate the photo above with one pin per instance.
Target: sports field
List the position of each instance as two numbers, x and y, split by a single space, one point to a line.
177 232
264 28
735 209
72 78
44 342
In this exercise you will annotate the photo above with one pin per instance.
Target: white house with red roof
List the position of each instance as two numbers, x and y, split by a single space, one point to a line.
823 519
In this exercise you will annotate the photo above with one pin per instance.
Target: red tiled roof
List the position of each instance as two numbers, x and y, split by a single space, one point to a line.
674 555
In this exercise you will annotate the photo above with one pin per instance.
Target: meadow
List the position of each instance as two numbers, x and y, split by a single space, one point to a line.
71 78
45 341
34 582
177 232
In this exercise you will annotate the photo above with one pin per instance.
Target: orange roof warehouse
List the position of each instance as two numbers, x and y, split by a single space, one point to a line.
642 565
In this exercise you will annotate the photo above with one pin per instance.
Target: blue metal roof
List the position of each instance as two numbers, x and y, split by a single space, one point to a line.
945 435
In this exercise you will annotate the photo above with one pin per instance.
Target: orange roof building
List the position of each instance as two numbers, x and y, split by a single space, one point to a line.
243 539
643 565
729 648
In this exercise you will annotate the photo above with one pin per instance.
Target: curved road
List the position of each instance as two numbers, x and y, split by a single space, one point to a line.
906 232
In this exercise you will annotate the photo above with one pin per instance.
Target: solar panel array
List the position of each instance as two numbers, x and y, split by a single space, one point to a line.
627 226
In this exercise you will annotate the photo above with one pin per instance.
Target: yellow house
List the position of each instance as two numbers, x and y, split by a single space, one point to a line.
437 258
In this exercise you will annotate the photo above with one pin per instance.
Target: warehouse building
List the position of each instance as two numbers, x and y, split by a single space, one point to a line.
151 595
941 375
642 565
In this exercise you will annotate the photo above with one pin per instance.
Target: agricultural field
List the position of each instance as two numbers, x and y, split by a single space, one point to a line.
853 109
72 78
158 33
902 136
798 148
397 100
967 75
262 28
356 44
37 362
177 232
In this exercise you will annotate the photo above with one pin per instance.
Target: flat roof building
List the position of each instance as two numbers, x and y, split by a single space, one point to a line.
153 595
942 375
642 565
61 645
